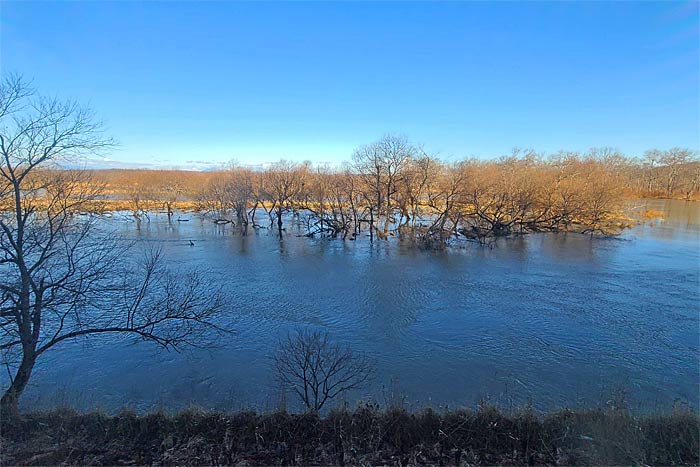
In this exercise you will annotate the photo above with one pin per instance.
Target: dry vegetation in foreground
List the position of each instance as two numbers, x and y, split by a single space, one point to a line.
366 436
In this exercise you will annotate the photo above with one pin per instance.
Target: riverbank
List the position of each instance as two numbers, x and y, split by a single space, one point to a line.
366 436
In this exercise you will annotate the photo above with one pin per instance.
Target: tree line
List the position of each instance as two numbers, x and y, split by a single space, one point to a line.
393 187
64 277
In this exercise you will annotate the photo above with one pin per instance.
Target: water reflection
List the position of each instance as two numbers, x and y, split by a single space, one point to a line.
681 219
548 318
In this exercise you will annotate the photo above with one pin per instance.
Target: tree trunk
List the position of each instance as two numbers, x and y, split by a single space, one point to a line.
8 403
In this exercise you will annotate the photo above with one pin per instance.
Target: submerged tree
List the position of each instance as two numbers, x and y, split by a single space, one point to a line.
318 370
284 182
380 166
61 276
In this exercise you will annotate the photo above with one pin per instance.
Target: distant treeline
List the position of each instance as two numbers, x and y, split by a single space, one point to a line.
366 436
394 187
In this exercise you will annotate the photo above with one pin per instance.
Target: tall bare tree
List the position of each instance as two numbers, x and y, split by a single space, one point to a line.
285 181
62 277
380 166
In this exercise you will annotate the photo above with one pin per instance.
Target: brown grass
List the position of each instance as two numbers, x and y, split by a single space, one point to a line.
366 436
652 214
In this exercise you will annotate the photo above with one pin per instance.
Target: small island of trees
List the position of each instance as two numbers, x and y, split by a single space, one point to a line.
394 188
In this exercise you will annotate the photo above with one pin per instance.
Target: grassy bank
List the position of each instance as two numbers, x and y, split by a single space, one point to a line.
367 436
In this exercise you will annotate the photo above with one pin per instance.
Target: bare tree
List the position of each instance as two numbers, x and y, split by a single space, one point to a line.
229 191
140 200
380 166
420 172
241 179
284 182
169 193
318 370
445 198
62 277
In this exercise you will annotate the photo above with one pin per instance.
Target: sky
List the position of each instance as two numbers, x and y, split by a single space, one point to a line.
194 85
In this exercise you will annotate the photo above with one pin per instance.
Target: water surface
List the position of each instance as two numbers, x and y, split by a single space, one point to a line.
549 319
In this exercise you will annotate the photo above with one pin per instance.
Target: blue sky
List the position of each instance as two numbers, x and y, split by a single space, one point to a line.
256 82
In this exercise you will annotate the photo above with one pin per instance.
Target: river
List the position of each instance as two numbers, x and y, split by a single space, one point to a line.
554 320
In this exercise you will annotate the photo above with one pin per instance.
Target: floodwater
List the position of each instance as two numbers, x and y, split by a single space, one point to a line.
553 320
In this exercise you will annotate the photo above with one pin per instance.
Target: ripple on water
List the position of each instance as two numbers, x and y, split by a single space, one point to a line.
546 318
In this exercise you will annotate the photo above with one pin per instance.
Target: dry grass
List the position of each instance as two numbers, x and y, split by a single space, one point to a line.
652 214
366 436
